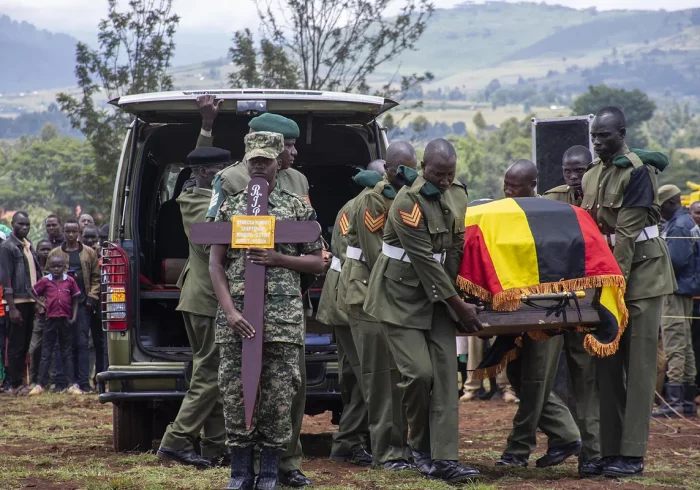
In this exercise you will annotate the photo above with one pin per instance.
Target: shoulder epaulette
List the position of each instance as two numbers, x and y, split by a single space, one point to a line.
560 189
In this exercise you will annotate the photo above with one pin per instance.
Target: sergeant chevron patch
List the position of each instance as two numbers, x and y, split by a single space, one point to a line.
374 224
344 224
411 219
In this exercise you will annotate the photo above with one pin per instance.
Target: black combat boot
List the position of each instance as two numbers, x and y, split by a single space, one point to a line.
269 465
242 472
451 471
674 400
421 460
690 409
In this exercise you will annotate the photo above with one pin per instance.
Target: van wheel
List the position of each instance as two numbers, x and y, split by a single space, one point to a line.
132 424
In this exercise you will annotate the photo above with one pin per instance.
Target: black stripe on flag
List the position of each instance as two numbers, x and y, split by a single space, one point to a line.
558 238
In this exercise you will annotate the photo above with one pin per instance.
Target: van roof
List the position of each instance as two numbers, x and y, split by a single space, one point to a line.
179 105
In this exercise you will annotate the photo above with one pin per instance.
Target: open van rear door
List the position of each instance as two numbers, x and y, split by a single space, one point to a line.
179 106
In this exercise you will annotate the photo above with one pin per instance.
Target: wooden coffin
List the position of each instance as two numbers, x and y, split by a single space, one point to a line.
531 318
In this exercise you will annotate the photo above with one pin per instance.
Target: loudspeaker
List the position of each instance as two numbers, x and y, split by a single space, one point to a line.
550 140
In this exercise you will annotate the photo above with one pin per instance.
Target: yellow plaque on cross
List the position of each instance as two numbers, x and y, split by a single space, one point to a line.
253 231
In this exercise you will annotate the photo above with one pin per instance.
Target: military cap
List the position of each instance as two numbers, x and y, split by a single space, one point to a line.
263 144
275 123
208 155
668 191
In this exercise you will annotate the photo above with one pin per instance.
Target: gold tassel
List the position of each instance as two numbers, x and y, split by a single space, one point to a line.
490 372
595 347
473 289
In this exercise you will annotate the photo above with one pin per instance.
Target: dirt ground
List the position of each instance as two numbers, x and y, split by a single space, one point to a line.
59 442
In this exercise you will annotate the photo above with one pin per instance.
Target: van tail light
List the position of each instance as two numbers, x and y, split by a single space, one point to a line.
114 288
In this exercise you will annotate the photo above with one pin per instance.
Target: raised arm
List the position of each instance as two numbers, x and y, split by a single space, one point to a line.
208 107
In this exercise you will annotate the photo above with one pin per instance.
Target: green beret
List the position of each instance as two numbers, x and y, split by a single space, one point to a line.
208 155
274 123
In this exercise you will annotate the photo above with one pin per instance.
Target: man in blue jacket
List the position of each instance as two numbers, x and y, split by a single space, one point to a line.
678 307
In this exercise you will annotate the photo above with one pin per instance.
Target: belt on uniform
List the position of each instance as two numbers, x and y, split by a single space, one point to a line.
335 264
399 253
647 234
355 253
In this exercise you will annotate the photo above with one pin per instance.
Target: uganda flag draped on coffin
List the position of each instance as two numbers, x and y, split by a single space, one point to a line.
515 247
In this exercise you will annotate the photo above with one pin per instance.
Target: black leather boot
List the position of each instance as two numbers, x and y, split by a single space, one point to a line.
690 409
624 466
674 400
269 466
242 472
421 460
451 471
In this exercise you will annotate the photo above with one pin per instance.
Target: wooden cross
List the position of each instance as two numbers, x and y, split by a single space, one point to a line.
254 299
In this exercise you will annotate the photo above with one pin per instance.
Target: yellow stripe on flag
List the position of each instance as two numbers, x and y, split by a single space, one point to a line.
515 260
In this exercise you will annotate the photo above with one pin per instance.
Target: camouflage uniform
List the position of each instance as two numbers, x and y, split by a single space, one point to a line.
283 335
228 182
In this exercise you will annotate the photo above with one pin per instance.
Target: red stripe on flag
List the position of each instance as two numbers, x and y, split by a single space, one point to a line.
477 260
596 264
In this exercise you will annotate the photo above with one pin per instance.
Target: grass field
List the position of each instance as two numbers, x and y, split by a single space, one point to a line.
58 442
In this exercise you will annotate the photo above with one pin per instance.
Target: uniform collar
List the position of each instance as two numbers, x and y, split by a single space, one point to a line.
622 151
64 277
201 191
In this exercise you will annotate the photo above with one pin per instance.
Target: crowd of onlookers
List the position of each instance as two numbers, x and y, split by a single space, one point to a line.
51 333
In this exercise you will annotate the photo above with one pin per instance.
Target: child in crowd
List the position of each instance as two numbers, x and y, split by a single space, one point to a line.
61 306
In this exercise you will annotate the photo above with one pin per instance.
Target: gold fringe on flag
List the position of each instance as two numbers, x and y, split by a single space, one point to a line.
490 372
510 300
595 347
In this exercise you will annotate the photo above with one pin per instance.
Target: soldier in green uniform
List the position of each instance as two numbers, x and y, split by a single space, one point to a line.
284 322
532 374
575 162
380 376
412 291
352 437
620 193
234 179
201 409
581 365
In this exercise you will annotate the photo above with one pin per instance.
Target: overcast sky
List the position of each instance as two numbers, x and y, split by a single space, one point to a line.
80 17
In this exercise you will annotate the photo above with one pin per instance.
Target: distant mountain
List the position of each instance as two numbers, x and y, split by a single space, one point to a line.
465 47
34 59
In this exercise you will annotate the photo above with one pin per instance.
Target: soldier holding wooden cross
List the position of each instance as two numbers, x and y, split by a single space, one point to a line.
281 304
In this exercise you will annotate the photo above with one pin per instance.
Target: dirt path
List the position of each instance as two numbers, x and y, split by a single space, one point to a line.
58 442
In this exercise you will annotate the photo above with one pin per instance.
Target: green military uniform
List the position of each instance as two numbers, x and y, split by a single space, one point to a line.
228 182
235 178
581 364
411 280
532 378
564 193
624 202
283 336
352 430
380 376
201 409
